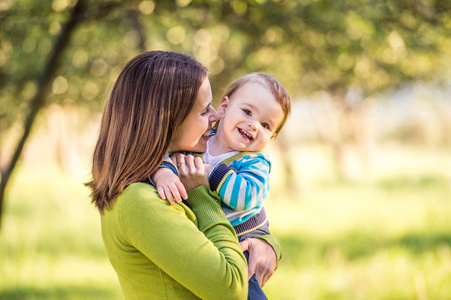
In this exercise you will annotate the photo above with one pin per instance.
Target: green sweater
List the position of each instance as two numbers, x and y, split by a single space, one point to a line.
162 251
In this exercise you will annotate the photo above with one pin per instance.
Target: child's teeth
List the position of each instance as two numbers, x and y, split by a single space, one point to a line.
246 134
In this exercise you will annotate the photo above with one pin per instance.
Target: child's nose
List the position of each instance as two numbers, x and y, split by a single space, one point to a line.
252 125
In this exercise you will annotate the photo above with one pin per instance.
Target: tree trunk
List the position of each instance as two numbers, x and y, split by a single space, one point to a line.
283 146
133 16
38 101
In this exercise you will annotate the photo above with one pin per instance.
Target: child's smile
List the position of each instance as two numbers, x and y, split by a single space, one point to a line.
246 135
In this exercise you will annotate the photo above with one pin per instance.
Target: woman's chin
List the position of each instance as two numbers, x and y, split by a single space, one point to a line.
200 147
202 144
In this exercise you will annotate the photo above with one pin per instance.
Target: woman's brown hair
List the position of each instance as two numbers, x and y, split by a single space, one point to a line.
272 84
152 96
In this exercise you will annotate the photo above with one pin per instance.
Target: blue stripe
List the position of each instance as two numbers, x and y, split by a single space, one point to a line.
235 194
223 189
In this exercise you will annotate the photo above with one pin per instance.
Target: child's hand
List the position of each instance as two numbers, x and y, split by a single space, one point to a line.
169 186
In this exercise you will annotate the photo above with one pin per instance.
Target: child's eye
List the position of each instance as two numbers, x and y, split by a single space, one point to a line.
247 111
266 125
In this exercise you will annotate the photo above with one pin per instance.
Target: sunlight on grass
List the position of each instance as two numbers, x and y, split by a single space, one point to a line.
51 241
383 237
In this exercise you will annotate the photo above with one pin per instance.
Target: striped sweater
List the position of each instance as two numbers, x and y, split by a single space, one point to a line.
242 182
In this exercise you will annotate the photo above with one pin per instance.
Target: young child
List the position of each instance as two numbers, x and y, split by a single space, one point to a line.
253 110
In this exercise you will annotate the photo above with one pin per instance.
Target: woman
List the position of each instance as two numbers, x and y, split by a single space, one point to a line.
160 103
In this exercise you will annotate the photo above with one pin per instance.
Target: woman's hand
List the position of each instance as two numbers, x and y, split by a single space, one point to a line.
191 170
262 259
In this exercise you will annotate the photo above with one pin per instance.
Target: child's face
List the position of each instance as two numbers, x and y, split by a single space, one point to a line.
249 118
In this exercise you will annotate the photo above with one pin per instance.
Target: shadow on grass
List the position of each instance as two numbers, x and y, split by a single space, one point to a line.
57 245
88 247
398 183
421 182
59 292
419 243
359 244
356 245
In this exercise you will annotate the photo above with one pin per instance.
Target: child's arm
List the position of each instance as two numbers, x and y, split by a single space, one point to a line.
169 185
245 188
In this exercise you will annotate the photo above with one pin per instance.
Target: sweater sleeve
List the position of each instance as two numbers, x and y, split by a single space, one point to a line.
271 240
167 163
204 256
246 187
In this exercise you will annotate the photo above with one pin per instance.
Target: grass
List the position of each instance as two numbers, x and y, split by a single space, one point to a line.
364 242
51 241
387 237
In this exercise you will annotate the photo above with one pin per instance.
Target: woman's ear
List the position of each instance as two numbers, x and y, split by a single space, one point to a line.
223 106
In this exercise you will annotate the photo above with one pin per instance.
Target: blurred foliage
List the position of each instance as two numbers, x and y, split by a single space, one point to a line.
309 45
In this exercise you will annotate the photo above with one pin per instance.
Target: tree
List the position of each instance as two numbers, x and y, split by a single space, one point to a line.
332 46
37 101
77 15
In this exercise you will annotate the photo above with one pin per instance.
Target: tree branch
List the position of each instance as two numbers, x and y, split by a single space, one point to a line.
43 87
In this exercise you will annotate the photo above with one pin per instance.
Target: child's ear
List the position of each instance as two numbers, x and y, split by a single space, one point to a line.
274 135
223 105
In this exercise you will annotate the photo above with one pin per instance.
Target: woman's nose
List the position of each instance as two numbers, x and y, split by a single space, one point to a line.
214 116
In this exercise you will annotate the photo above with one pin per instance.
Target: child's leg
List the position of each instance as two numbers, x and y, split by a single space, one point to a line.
255 291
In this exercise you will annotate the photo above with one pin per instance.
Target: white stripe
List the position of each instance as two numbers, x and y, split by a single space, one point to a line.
228 192
241 196
254 198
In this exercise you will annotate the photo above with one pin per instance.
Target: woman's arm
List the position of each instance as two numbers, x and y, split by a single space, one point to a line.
264 251
200 251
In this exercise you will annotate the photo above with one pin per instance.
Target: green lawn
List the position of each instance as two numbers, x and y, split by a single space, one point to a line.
51 246
387 237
